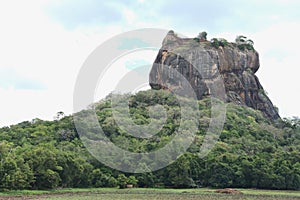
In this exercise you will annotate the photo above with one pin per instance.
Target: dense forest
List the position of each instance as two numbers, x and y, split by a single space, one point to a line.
251 152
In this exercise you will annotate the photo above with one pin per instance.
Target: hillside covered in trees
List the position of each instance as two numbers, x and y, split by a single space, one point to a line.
251 152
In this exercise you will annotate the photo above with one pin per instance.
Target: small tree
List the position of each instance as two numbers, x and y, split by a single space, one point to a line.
250 42
171 32
112 182
243 43
202 36
222 42
214 42
132 180
59 115
240 39
218 42
122 181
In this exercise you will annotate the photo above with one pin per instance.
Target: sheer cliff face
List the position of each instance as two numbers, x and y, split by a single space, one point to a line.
200 63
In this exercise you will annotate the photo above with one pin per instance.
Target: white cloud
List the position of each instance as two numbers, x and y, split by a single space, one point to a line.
119 71
43 50
279 73
129 15
35 47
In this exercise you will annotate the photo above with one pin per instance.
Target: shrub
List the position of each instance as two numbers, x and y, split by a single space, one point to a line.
243 43
202 35
219 42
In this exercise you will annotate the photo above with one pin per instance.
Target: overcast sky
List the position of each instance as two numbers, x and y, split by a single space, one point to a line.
43 44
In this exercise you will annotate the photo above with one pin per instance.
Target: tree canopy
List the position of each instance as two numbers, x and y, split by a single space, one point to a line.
250 153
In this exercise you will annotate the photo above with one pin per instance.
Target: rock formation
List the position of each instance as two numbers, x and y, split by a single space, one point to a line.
200 62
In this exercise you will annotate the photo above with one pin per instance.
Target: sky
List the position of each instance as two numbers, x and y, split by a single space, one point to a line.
43 45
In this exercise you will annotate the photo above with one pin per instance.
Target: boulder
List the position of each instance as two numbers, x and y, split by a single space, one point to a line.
201 64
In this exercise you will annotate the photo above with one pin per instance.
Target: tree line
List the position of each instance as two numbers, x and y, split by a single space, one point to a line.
251 152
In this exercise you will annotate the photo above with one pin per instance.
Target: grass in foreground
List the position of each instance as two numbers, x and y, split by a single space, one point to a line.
145 193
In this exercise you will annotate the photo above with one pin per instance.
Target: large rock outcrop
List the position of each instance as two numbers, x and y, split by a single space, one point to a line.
200 63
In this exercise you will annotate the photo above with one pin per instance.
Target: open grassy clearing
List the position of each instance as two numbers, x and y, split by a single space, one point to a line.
143 193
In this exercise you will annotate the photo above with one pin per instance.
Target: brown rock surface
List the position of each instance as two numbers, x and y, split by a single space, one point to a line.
201 64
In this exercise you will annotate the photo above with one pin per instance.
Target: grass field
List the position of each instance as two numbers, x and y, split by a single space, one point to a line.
149 194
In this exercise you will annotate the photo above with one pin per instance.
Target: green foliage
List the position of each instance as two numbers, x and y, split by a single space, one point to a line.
202 36
251 151
214 42
217 42
244 43
149 194
132 180
122 181
196 39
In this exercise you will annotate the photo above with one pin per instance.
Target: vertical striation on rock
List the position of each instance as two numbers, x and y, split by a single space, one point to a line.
200 62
